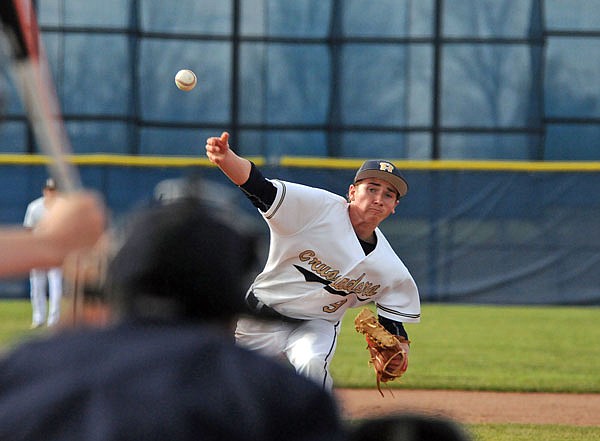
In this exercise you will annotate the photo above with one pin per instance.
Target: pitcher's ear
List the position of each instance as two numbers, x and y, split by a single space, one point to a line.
351 192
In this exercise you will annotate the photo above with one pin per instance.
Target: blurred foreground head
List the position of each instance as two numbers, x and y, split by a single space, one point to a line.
410 427
182 260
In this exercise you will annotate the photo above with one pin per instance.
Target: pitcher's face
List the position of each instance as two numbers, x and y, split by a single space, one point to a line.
374 199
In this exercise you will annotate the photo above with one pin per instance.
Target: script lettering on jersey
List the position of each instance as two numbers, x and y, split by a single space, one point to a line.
335 283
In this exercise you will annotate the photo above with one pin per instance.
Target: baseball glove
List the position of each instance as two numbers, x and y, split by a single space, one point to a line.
388 357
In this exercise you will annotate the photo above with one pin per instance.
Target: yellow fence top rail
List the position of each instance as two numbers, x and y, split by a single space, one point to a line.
309 162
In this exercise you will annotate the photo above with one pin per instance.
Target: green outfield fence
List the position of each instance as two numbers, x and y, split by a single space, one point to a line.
508 232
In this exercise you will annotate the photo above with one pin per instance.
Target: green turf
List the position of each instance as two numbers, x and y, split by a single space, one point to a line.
544 349
532 432
15 319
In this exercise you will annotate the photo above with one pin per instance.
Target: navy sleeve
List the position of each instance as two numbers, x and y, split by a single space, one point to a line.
396 328
260 191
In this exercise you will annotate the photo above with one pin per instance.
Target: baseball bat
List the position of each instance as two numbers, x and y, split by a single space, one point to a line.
36 88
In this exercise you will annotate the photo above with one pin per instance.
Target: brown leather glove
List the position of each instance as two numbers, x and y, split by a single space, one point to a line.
388 353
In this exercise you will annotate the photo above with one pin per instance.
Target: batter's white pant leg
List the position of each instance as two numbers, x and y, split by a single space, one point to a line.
310 349
37 293
55 279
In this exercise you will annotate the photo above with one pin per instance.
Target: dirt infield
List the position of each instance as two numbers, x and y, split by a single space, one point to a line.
475 407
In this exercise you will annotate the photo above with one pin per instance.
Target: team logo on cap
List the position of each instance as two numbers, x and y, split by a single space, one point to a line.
386 166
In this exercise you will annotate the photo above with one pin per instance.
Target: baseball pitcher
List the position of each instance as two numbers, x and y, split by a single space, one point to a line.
326 255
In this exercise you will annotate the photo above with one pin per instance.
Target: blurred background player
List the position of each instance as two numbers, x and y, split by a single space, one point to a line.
326 255
44 281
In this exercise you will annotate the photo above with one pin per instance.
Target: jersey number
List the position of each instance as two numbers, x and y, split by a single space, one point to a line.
334 306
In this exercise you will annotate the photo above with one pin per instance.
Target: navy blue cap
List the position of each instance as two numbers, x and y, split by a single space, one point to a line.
385 170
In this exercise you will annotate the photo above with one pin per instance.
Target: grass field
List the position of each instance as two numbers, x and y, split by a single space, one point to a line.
532 432
500 348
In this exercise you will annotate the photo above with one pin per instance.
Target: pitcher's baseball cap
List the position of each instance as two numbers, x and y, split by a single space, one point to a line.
385 170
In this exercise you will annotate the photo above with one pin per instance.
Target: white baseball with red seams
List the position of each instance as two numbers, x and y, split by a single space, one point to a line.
185 80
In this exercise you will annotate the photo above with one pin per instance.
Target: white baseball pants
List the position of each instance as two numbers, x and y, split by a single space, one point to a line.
308 345
37 280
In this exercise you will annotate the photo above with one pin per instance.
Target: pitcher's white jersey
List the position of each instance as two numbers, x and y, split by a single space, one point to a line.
316 266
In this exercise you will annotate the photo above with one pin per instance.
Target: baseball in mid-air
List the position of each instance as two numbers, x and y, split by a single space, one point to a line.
185 79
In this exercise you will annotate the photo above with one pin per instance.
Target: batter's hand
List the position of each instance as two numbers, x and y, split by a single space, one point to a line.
217 148
75 220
